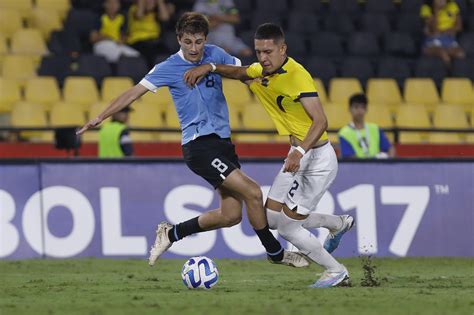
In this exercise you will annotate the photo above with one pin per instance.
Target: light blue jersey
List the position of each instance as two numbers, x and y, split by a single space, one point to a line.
202 110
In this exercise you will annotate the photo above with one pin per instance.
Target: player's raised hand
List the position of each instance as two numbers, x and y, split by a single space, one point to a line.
194 75
292 162
90 124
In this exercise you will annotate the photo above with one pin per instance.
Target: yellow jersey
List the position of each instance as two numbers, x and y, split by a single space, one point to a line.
280 95
112 28
146 28
446 17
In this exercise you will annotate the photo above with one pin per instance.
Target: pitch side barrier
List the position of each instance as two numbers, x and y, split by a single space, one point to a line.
63 208
15 131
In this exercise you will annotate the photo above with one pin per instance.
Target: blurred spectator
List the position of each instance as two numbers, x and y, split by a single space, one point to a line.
109 36
442 23
223 15
360 139
114 138
144 28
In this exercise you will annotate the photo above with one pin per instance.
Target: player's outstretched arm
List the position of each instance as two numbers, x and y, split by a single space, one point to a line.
115 106
194 75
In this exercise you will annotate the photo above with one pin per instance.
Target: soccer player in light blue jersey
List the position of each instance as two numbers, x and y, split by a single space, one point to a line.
207 148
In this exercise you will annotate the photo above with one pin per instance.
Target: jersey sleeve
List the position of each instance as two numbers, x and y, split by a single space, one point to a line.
453 8
224 58
425 11
159 76
301 85
384 143
254 70
346 149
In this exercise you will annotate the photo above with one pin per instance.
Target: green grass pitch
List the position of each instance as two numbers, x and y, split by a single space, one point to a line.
104 286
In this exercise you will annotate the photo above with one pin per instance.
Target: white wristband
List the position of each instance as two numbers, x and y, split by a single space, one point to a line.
213 66
301 150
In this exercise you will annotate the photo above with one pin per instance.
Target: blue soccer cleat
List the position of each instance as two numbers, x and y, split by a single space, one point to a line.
334 237
332 279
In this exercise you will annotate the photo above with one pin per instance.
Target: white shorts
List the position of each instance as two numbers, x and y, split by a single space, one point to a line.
304 189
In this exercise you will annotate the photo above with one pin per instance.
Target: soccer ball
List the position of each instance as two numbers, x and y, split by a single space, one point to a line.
199 272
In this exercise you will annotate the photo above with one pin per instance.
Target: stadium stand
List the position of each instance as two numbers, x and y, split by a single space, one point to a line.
373 44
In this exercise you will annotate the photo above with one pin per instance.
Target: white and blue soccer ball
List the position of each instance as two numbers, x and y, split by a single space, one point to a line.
200 272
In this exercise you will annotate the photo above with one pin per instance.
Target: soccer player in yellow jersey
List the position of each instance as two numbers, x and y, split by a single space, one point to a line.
288 93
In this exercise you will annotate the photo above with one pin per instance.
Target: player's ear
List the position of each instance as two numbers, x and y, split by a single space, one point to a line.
283 48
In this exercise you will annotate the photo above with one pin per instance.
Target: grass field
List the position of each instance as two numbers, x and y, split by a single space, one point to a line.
97 286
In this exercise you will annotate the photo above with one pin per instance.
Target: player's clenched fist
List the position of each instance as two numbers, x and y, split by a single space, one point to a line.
91 124
194 75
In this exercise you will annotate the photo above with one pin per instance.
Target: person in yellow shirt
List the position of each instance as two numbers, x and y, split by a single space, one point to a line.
442 23
289 95
144 27
109 36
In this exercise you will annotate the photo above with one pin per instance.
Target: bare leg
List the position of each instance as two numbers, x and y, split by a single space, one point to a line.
228 214
246 189
438 52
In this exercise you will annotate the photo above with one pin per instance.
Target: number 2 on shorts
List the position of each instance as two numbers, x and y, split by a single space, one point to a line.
293 188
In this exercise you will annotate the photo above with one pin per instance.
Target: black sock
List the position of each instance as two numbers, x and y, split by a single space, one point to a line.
184 229
271 244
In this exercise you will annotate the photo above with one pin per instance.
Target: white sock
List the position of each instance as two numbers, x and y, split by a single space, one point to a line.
273 217
328 221
293 231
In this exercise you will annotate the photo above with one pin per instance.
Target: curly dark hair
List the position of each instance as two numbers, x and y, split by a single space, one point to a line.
192 23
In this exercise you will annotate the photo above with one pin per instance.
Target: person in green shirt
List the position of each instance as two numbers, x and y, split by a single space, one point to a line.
114 138
361 139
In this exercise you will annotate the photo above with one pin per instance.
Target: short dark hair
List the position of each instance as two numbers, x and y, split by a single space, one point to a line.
270 31
359 99
192 23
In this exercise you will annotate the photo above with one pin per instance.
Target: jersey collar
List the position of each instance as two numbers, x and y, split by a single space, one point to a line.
279 70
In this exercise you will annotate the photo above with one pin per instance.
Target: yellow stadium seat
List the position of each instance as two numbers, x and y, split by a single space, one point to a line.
81 91
28 42
323 97
237 94
10 93
3 45
162 98
46 21
94 110
171 121
337 116
112 87
146 115
26 114
64 114
470 138
380 115
413 116
23 7
235 117
384 92
449 116
60 6
457 91
10 22
421 91
255 117
341 89
445 138
42 90
18 67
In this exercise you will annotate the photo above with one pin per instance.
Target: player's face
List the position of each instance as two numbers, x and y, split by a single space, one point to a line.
192 46
358 111
270 54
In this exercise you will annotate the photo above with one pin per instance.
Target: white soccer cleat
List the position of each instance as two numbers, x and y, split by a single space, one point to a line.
333 279
162 242
334 237
293 259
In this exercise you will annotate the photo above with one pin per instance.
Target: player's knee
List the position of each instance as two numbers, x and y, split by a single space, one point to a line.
255 194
